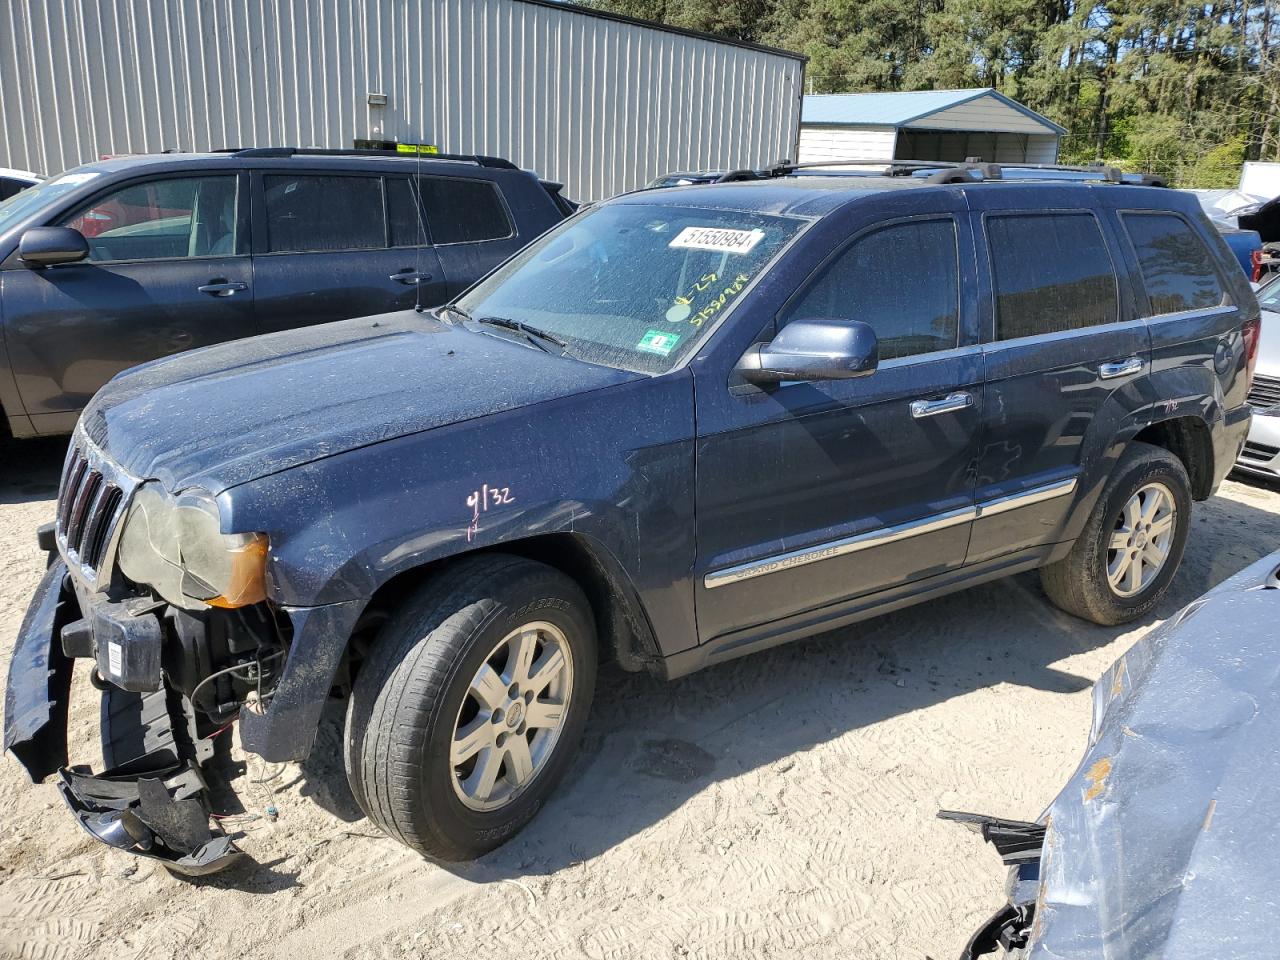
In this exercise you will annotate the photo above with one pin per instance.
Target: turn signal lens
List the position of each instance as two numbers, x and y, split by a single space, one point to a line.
246 581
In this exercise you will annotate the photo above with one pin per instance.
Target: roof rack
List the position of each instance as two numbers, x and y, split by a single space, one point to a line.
285 152
971 170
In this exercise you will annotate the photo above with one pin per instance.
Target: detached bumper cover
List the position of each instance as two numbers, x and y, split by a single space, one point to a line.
39 688
152 803
152 808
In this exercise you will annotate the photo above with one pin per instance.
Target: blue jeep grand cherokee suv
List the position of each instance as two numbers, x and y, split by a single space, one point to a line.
683 426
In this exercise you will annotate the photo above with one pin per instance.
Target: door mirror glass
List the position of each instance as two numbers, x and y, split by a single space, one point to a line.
46 246
817 349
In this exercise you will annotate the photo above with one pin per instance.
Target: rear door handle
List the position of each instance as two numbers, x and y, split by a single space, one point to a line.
409 277
222 288
1120 368
948 404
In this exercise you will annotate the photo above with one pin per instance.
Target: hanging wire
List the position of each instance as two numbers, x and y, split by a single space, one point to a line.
232 669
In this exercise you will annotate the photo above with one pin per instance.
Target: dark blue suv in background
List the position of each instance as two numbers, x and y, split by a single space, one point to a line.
130 259
683 426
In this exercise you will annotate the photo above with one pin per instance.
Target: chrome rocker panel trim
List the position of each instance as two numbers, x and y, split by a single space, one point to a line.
886 535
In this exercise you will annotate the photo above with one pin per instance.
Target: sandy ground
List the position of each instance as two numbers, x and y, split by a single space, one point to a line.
779 806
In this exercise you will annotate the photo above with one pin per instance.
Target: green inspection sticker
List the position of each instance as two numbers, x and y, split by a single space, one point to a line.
655 341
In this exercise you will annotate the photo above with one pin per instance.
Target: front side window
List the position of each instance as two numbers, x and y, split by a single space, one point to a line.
633 285
311 213
1052 273
1176 267
464 211
902 279
161 220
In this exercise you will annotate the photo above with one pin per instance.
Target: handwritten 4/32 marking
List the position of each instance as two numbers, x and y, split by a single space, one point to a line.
482 500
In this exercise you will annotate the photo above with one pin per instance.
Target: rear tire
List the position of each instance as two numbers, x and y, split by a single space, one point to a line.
471 705
1128 553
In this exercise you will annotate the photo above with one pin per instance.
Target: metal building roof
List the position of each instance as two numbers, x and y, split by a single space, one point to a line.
901 109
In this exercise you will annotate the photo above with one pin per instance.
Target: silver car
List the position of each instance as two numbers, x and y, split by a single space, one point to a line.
1261 453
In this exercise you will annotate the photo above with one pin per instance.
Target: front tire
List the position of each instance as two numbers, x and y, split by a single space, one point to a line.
1121 565
470 707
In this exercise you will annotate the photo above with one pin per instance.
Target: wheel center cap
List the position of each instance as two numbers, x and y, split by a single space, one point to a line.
515 713
1140 540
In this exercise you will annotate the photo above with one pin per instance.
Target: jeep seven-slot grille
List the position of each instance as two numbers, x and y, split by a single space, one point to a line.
1265 392
88 504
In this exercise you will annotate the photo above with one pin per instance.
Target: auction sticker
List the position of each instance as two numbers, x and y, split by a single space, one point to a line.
655 341
718 239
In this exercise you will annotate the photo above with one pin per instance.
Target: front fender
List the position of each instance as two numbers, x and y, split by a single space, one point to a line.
614 466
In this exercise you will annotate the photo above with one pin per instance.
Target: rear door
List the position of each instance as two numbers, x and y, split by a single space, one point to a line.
471 227
333 245
168 270
1065 357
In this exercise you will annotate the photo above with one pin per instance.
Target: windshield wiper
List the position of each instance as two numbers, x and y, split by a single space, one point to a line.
541 339
454 309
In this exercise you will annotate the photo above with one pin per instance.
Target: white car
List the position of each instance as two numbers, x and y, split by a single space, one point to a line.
1261 453
15 181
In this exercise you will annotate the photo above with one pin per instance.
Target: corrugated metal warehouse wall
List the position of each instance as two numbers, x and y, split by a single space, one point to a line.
600 104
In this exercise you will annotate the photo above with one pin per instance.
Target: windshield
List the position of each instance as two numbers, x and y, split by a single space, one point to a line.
635 286
22 205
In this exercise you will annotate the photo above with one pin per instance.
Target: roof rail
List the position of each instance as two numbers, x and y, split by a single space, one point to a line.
285 152
972 169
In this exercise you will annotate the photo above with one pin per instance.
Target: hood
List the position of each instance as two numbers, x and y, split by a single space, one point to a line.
1163 843
237 411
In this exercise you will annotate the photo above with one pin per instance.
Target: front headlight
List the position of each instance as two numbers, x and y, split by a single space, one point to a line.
174 546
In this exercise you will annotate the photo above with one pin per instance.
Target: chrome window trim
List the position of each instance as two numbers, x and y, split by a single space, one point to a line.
998 346
1194 314
885 535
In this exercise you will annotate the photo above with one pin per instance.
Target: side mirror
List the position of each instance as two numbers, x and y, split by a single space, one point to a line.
46 246
819 349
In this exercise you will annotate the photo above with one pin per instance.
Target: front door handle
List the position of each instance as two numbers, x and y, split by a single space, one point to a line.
1120 368
222 288
409 277
948 404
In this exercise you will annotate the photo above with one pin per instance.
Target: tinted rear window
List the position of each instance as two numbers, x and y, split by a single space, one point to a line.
1176 266
464 211
9 187
1052 273
402 211
313 213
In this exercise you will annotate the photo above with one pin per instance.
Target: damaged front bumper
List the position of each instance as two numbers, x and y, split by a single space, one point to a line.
152 799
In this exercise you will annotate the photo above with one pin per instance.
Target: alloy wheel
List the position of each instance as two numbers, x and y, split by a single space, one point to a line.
1141 540
512 715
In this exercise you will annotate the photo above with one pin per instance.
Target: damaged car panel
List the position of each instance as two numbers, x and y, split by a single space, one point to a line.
646 438
1160 843
151 800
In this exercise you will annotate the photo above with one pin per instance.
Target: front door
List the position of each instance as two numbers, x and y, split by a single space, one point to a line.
836 489
330 246
167 271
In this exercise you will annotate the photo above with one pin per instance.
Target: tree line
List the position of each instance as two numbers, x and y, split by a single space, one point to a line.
1186 89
